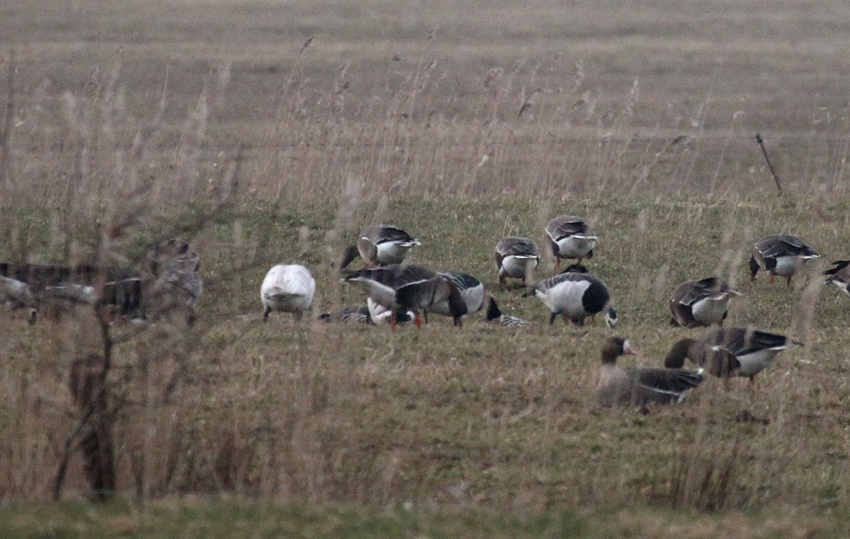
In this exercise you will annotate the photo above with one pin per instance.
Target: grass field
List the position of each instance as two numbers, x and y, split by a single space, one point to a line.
224 122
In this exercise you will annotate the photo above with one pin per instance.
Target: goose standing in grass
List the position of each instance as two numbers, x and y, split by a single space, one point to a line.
839 275
780 255
288 289
516 258
380 245
575 296
494 313
569 238
637 386
19 295
701 303
410 287
728 352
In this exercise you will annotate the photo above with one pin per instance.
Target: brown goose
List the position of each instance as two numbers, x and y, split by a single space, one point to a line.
780 255
380 245
637 386
701 303
728 352
569 238
516 258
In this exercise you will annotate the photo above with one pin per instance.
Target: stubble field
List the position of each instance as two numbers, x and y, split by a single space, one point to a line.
273 132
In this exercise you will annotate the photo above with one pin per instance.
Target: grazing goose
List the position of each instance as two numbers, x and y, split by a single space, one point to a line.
839 275
175 255
734 351
409 288
471 292
637 386
288 289
351 313
569 238
493 313
19 295
516 257
701 303
378 314
380 245
780 255
575 296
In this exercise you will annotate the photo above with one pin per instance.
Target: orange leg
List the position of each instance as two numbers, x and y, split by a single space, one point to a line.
418 320
501 278
557 262
771 278
394 319
788 285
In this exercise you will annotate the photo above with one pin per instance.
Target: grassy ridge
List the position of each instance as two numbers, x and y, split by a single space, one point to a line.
213 519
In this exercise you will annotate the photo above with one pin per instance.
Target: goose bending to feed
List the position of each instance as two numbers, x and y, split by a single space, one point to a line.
288 289
701 303
380 245
412 287
839 275
494 313
725 352
19 295
379 315
351 313
575 296
780 255
569 237
516 258
637 386
471 292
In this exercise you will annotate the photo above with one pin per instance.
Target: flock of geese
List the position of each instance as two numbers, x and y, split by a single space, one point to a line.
397 293
167 283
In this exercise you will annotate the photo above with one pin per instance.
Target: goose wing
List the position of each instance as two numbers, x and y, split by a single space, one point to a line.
783 245
662 385
517 247
564 226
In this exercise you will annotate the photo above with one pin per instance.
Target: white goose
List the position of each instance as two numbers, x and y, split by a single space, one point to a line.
289 289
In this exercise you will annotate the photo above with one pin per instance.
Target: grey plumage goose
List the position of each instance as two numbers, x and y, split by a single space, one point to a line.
637 386
351 313
494 313
408 288
471 292
575 296
569 237
19 295
735 351
839 275
380 245
701 303
516 258
781 255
